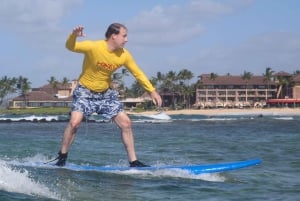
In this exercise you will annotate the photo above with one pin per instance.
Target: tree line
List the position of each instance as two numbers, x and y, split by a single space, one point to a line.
20 85
176 85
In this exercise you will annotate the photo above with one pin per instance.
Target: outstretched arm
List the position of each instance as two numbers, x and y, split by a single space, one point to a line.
71 41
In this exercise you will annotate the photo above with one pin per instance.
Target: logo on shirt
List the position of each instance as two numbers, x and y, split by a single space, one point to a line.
106 66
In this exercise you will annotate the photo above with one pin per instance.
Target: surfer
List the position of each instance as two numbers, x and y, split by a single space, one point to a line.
94 93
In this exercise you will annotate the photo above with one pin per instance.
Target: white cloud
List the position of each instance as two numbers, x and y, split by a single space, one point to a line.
176 23
278 50
31 16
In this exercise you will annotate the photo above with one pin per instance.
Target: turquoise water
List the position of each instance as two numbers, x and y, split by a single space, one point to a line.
193 139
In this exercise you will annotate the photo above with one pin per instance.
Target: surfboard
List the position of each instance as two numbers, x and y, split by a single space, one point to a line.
192 169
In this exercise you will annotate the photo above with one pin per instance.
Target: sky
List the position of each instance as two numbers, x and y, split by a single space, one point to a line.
203 36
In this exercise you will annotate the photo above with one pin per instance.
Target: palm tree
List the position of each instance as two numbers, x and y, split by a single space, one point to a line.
65 81
53 82
23 85
7 85
247 76
268 76
284 83
160 77
117 83
186 75
136 89
116 77
213 76
297 72
170 82
124 72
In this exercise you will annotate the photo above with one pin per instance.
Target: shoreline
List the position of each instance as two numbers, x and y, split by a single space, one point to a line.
206 112
216 112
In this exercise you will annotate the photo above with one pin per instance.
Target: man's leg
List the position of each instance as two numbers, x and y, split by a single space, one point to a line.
123 121
70 131
69 136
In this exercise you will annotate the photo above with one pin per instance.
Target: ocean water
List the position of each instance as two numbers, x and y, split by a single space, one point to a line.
185 139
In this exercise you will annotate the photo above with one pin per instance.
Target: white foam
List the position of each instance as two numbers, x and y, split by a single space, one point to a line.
19 181
31 118
284 118
160 116
174 173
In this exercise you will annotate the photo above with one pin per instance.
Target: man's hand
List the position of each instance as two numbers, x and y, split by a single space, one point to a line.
156 98
78 31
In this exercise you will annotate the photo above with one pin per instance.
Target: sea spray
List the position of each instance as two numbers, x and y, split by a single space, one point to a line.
19 181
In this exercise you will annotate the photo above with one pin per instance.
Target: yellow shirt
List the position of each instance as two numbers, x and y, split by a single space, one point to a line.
99 64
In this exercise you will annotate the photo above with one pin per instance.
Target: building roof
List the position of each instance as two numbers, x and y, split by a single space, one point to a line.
50 89
297 78
283 74
233 80
39 96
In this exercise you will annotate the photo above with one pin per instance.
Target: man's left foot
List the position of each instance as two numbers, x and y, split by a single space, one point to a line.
137 163
61 159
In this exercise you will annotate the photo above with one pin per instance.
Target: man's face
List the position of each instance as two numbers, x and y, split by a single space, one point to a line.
121 38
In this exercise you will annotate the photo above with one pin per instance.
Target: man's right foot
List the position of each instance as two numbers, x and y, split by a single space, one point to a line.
137 163
61 159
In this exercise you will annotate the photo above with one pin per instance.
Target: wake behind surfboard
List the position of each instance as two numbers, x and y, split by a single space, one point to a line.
192 169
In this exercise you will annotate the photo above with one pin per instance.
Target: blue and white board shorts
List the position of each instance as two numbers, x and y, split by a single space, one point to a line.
88 102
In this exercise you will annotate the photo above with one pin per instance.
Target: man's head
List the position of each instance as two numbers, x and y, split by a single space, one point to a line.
116 35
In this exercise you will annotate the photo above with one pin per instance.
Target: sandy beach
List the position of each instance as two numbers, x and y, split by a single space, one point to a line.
214 112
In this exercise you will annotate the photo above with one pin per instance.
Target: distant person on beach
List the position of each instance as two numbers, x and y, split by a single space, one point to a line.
94 93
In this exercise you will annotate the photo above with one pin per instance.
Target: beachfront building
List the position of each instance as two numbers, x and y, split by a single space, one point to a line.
288 90
296 88
60 95
229 91
49 95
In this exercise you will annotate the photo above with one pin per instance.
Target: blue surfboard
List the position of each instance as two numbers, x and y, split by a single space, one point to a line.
193 169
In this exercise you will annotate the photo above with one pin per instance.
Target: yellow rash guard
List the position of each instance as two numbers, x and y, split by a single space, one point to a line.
99 64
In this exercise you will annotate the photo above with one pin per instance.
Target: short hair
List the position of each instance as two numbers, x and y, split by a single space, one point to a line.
114 28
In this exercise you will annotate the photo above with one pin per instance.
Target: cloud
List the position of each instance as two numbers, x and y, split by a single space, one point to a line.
177 23
278 50
35 37
34 16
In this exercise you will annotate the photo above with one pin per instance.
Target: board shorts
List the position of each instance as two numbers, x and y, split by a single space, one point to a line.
104 103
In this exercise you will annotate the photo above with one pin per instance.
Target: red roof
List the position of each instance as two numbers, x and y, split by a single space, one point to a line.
39 96
297 78
233 80
283 101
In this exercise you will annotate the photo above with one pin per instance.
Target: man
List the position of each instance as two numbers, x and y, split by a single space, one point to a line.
93 93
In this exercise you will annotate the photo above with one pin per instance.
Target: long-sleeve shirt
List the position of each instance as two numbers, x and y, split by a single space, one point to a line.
99 64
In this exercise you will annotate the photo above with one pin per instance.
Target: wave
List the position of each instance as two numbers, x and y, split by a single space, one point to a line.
35 162
16 180
141 118
158 116
284 118
174 173
31 118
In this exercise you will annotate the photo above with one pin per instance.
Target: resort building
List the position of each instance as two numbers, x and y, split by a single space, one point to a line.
50 95
288 91
296 88
60 95
233 91
213 91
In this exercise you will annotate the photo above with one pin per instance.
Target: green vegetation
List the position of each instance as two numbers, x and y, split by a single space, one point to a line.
19 85
36 111
175 87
